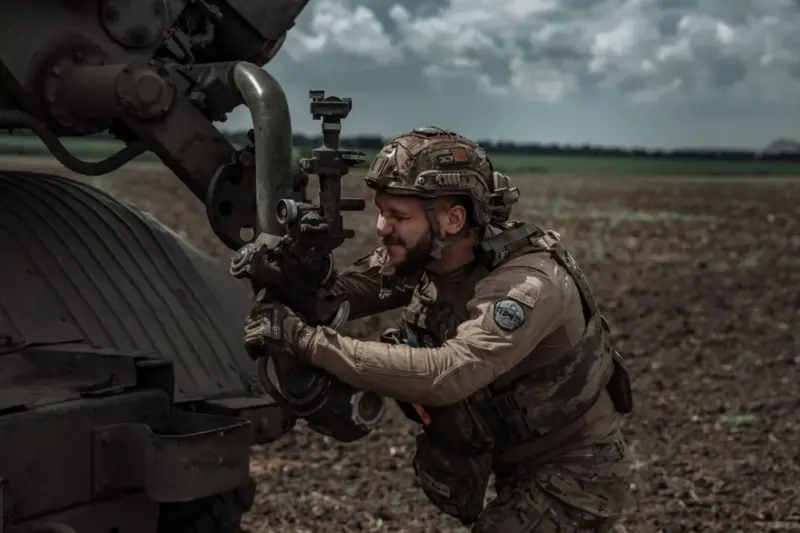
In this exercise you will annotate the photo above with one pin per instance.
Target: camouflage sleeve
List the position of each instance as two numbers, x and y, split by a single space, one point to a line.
368 289
512 310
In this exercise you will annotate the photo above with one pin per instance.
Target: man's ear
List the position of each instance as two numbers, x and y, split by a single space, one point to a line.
453 218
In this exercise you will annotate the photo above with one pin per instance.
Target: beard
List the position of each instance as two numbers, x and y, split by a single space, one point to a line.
417 256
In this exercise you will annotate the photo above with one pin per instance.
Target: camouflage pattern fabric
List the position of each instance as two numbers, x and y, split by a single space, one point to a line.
433 162
583 491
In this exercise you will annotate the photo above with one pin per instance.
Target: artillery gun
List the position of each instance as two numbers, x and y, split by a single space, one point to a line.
128 403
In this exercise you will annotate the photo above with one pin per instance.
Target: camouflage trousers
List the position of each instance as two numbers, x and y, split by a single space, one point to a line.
583 491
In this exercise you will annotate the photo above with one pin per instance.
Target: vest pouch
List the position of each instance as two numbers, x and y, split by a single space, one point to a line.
619 386
454 480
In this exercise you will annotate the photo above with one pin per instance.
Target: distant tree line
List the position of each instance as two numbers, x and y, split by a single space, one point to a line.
375 142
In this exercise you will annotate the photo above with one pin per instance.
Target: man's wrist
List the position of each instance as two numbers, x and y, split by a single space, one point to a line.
300 336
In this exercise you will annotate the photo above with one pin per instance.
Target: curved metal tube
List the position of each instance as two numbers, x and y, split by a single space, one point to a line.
16 119
272 132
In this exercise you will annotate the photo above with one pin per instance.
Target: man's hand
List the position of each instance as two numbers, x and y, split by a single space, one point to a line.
314 308
269 326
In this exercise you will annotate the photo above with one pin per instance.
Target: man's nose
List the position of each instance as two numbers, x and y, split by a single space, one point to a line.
382 227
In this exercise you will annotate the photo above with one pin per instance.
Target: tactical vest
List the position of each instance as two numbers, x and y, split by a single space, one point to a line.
515 408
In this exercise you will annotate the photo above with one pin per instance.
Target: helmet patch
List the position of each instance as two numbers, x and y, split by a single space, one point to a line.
453 157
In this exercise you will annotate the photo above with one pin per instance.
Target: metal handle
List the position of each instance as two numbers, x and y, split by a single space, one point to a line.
272 137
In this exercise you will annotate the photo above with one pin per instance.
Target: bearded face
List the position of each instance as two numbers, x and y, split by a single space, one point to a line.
407 257
405 233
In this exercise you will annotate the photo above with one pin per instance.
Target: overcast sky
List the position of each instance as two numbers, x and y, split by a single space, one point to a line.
659 73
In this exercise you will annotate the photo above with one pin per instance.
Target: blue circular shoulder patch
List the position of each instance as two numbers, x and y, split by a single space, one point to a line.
509 314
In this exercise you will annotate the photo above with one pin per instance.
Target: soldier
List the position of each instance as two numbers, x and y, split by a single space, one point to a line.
502 355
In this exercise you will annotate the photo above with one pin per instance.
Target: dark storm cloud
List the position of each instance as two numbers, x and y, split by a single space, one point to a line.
668 22
515 65
417 8
545 50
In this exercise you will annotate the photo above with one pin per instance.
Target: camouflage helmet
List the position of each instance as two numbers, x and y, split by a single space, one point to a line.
432 162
